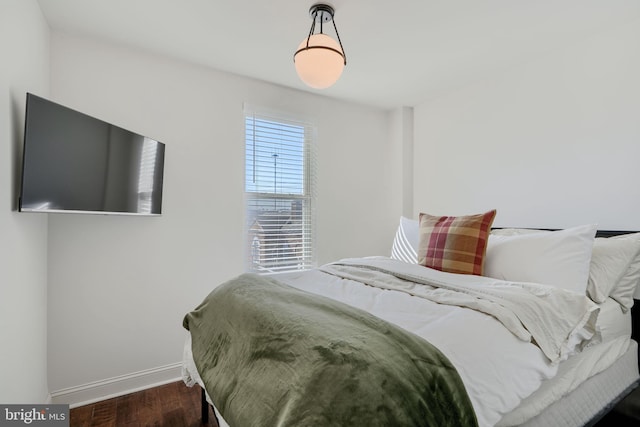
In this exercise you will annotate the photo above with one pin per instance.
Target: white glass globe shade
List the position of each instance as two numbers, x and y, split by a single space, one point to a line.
319 68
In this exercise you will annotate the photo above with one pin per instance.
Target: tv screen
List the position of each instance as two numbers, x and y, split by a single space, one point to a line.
73 162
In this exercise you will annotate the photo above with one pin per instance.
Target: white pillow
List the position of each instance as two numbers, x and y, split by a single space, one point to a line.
610 262
623 291
405 244
558 258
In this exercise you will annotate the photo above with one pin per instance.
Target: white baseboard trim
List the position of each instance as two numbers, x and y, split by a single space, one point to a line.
117 386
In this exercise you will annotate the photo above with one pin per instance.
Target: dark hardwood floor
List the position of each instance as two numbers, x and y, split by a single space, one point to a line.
170 405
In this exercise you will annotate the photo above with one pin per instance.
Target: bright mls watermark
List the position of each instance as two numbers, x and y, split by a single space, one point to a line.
34 415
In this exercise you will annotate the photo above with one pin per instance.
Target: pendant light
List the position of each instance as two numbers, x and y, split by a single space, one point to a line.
319 59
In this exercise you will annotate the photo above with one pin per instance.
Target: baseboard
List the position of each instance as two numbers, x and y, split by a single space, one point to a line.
117 386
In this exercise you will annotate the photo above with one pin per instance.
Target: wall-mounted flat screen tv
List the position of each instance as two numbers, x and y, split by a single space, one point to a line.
75 163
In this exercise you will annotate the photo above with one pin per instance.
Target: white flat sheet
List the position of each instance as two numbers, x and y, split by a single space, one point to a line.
614 327
612 321
498 369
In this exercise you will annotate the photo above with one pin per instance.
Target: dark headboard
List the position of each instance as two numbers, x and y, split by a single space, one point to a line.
611 233
599 233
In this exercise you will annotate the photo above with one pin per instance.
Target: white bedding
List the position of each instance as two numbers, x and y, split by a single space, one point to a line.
555 319
498 369
613 322
615 329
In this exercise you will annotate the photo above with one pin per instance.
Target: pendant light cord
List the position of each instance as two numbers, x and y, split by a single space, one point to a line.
344 55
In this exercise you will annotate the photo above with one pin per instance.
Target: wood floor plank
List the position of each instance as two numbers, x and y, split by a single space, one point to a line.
171 396
81 416
104 414
174 417
127 410
150 407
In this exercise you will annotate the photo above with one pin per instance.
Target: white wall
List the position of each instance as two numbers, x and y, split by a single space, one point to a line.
401 157
24 49
120 286
551 143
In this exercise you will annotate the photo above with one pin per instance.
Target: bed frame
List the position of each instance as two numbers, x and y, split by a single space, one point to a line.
635 335
204 407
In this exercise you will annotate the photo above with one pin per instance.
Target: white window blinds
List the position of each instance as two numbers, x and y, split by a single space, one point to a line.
279 193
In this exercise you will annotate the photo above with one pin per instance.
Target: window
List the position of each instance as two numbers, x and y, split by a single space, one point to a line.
279 193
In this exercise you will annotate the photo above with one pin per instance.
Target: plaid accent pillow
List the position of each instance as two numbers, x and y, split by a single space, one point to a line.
455 244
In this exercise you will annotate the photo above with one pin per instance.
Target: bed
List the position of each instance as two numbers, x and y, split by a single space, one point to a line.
526 346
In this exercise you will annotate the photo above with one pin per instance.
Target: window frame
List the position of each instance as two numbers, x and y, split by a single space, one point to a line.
282 244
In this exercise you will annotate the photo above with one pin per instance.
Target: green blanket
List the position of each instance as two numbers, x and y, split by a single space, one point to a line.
272 355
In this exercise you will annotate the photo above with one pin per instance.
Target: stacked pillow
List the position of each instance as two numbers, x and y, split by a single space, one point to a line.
615 269
405 244
571 259
559 258
455 244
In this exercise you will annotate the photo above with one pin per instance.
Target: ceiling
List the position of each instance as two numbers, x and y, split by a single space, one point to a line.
398 53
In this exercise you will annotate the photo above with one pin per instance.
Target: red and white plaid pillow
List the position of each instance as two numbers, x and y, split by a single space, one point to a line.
455 244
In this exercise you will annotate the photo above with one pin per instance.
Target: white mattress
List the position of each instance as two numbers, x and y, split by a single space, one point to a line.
596 396
402 310
614 327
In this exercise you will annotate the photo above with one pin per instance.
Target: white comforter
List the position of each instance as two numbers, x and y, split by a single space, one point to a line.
499 365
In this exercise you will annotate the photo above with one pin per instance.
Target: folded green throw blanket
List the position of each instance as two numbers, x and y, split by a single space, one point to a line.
273 355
